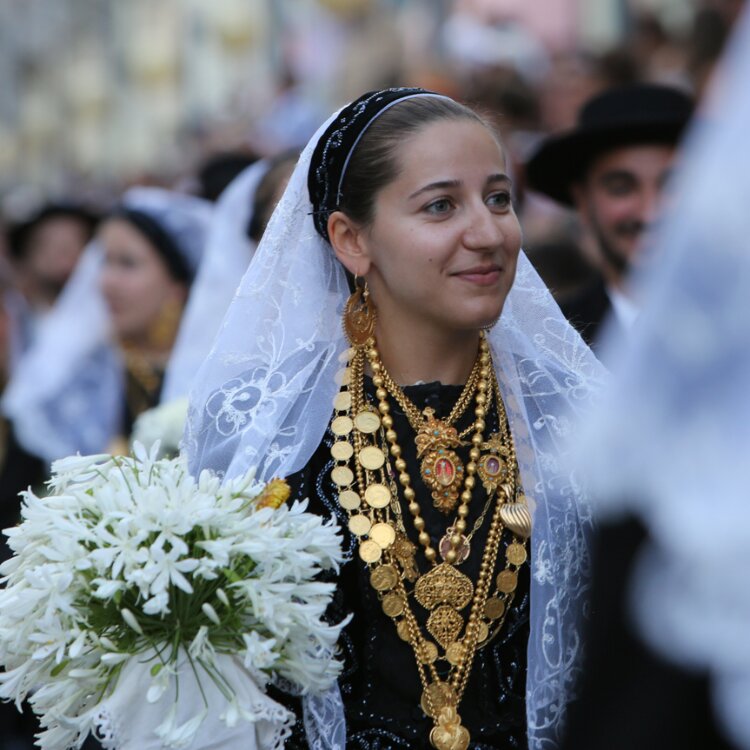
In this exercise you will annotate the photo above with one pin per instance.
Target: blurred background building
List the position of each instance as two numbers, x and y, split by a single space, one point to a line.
94 93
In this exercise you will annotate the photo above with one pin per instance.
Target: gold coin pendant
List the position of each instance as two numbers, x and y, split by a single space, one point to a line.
483 632
507 580
384 578
349 500
343 401
359 525
369 551
342 450
383 534
367 422
344 377
341 426
516 554
436 696
393 604
346 355
403 630
377 496
343 476
494 608
455 653
371 458
429 652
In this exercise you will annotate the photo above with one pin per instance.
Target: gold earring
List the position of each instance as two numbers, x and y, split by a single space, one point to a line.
163 330
359 315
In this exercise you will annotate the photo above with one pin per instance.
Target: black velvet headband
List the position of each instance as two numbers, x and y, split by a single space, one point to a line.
334 149
160 239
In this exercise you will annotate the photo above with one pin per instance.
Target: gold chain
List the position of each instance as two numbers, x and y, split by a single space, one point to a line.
413 413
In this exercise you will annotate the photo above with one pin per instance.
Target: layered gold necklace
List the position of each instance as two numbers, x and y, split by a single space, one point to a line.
369 494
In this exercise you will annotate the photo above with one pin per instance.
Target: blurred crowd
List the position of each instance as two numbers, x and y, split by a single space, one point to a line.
111 293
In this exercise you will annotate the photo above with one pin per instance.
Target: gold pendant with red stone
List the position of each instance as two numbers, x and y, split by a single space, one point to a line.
443 473
442 469
492 467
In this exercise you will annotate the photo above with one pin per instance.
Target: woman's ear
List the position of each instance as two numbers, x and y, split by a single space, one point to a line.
347 241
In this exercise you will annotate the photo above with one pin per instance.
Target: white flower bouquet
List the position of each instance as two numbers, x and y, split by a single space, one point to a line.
154 608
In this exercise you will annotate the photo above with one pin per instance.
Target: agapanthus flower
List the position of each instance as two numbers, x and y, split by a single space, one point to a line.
131 561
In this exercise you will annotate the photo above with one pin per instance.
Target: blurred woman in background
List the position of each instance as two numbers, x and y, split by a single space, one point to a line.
100 358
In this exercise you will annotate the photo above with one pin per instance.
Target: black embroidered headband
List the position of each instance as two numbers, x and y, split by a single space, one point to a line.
335 147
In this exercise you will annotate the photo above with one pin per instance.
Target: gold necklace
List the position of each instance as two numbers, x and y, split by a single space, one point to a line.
441 468
414 415
374 517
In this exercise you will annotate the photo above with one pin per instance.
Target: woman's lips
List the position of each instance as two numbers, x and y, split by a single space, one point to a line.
481 276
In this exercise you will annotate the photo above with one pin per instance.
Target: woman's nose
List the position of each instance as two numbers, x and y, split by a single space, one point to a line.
484 230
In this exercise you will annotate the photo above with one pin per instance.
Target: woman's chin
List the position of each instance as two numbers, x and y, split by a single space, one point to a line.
483 320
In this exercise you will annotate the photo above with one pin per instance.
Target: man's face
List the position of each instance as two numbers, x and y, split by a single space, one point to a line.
618 201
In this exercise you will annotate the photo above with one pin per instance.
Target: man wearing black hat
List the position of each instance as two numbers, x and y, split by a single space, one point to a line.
612 168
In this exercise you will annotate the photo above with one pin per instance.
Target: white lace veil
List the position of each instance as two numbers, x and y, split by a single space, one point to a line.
263 398
65 396
672 442
228 251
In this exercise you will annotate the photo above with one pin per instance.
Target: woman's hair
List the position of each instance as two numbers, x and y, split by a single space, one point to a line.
160 239
373 163
280 167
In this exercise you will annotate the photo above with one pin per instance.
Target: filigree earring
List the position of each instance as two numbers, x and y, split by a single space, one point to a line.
163 331
359 315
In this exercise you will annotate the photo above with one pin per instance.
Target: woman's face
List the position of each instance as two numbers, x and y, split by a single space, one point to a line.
442 250
135 281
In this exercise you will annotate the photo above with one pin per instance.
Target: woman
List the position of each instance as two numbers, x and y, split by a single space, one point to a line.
44 251
100 358
407 192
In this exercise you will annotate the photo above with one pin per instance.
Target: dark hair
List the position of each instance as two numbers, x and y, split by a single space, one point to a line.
160 240
219 169
263 202
21 234
373 163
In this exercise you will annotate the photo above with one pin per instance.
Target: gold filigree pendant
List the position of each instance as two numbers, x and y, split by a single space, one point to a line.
492 468
445 625
449 733
444 585
443 472
405 552
441 468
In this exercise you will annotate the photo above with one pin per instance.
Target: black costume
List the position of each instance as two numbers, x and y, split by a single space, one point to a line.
380 685
587 309
19 470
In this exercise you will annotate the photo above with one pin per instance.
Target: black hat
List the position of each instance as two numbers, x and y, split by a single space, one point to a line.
639 113
19 233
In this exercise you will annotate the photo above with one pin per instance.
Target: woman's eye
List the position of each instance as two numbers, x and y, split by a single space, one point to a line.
499 200
439 206
120 261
